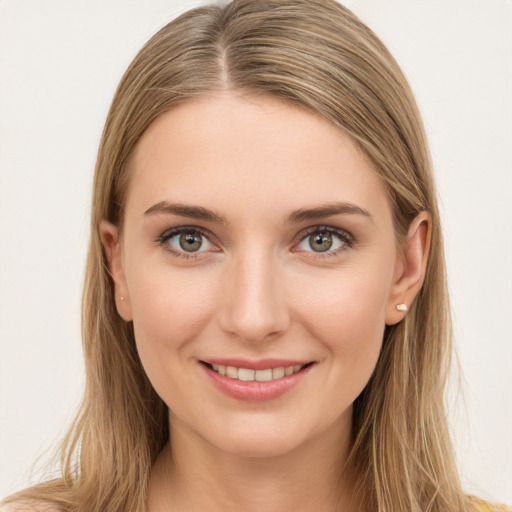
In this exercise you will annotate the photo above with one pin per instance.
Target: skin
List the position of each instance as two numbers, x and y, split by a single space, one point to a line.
257 289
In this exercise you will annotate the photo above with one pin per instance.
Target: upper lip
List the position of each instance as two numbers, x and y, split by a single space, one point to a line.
260 364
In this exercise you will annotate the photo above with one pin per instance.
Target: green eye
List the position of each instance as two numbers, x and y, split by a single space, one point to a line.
185 241
321 242
326 240
190 242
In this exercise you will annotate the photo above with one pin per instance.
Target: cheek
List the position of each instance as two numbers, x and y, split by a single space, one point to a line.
347 304
168 303
169 309
347 316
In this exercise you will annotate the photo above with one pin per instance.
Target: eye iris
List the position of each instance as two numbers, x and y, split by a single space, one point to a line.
320 242
190 242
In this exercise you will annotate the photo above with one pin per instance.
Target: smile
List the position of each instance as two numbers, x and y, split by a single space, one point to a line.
249 375
264 380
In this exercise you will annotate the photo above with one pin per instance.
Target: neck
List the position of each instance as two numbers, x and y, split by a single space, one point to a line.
192 475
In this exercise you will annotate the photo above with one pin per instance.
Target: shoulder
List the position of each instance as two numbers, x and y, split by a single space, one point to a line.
29 506
484 506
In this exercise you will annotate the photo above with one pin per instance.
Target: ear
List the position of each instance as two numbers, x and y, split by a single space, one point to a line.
410 268
110 239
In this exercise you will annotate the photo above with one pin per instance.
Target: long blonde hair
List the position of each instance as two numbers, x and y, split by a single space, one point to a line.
317 55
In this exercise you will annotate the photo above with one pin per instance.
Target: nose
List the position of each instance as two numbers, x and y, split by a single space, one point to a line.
254 306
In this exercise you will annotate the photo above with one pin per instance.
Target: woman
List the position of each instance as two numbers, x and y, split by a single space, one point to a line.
265 290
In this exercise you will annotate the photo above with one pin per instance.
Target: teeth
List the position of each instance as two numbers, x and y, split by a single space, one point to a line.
248 375
244 374
231 372
277 373
263 375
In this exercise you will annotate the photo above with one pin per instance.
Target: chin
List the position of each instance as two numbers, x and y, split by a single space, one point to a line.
257 446
254 437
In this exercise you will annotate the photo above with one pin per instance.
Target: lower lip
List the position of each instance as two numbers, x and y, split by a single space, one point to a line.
255 391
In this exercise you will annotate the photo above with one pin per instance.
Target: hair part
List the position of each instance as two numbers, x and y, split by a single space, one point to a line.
317 55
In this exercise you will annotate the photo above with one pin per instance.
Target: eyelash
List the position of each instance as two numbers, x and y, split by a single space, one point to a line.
164 238
345 237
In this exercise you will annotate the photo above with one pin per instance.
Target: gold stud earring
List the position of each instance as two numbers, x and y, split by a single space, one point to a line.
401 307
122 298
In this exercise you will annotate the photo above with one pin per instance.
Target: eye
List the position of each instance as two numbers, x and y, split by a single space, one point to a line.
325 240
186 241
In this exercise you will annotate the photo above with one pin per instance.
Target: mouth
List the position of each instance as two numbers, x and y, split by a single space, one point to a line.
250 375
266 380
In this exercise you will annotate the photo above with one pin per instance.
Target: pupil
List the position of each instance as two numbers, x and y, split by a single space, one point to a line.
320 242
190 242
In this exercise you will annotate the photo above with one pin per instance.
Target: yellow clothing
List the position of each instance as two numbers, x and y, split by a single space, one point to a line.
483 506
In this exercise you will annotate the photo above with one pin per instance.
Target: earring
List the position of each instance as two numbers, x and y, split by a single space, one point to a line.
122 298
401 307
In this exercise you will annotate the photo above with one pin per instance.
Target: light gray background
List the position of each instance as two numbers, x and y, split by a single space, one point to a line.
60 62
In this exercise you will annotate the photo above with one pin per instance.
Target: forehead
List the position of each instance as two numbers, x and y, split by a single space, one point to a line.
263 153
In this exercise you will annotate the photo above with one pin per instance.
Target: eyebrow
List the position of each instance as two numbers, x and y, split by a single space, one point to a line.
300 215
183 210
326 211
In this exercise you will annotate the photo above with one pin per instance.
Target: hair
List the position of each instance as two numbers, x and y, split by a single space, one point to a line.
316 55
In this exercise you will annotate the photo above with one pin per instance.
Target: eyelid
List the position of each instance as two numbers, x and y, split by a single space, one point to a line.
172 232
345 236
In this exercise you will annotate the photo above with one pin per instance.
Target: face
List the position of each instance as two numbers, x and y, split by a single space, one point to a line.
258 242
